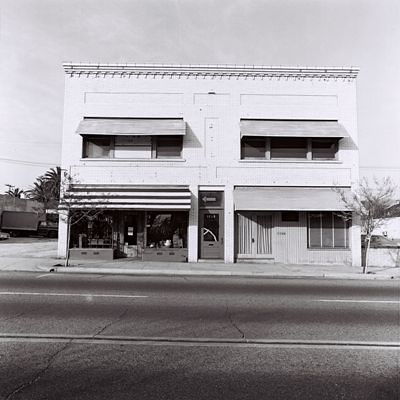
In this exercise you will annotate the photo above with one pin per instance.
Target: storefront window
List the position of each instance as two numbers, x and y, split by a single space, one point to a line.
328 230
91 231
167 229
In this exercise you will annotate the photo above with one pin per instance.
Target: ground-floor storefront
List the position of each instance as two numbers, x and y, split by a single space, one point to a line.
144 235
231 224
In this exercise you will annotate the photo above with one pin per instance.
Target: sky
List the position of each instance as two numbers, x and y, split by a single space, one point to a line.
37 36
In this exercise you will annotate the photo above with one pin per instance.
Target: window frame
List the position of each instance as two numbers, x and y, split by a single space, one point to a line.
346 230
156 144
268 151
153 155
335 142
85 143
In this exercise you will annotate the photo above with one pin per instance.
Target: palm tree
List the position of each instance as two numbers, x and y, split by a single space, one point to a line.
46 189
53 181
14 191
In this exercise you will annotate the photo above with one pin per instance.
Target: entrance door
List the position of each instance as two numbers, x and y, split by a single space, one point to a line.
130 230
254 234
211 224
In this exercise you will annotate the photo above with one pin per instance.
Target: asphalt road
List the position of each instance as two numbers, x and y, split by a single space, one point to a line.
95 337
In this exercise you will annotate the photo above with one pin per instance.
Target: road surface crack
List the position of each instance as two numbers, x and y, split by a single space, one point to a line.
14 316
122 315
50 361
233 323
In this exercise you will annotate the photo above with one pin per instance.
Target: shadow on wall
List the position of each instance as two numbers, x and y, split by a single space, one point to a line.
190 140
348 143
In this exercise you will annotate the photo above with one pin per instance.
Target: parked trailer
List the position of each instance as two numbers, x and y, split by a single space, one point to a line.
20 223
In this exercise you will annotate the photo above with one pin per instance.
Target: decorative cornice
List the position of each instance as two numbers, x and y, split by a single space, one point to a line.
213 71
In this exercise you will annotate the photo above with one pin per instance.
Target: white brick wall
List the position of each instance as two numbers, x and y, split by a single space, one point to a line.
188 97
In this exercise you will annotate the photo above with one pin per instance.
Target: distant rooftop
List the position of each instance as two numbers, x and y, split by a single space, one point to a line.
211 70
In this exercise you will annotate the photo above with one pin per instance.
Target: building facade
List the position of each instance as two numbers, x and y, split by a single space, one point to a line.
191 162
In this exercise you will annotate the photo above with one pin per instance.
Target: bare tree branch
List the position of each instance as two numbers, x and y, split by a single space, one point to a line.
372 203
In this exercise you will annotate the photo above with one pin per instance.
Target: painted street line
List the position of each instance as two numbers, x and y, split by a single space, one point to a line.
44 275
124 296
182 341
359 301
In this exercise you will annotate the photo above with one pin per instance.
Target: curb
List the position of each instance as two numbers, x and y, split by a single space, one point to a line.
239 274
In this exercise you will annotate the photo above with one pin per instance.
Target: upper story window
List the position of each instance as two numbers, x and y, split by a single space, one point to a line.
168 146
292 148
132 147
97 147
253 148
288 148
324 148
279 139
132 138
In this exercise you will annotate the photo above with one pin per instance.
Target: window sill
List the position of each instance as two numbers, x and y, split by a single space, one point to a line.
283 161
107 160
329 249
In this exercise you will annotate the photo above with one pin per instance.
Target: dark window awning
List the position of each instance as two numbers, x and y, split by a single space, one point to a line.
251 198
292 128
130 197
132 126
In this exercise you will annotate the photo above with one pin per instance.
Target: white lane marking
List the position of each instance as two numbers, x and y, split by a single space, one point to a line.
209 342
127 296
41 276
359 301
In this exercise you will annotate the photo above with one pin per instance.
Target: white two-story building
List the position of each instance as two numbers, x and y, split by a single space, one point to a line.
201 162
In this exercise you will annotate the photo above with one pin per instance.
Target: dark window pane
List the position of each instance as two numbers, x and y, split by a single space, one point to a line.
211 227
253 148
324 149
169 146
288 148
314 230
290 216
327 232
167 229
97 147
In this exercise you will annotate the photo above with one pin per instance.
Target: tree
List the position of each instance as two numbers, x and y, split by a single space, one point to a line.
14 191
72 210
46 189
52 180
372 203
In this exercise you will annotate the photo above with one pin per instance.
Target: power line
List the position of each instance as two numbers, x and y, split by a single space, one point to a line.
32 142
32 163
372 167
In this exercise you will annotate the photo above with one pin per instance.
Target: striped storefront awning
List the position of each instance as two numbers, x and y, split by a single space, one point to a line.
129 197
132 126
292 128
254 198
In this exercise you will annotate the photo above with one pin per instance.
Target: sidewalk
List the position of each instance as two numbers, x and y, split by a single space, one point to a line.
134 267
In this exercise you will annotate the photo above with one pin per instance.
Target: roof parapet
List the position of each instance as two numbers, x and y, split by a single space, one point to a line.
213 70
